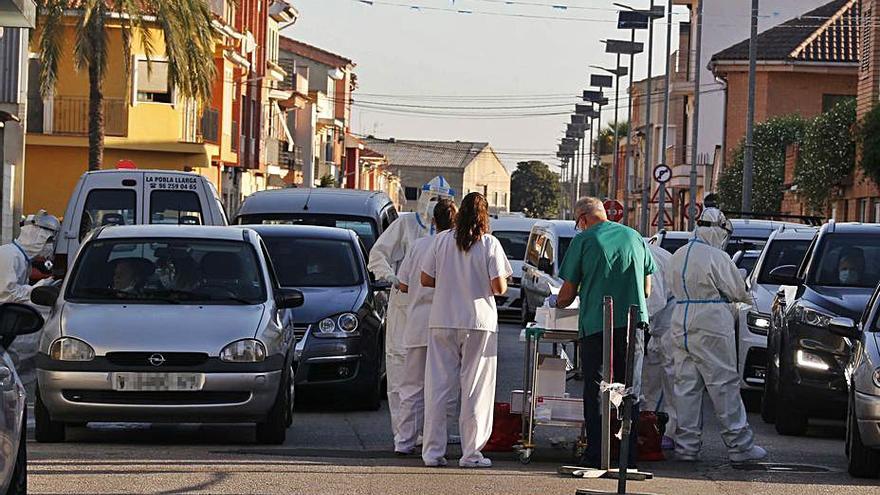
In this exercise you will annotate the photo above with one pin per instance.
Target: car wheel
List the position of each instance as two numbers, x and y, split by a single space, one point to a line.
273 431
46 430
863 462
790 421
18 482
768 401
291 385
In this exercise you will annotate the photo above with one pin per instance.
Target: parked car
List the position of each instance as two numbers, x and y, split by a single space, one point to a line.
15 320
135 197
548 242
863 395
340 329
806 353
167 324
513 234
786 246
367 213
670 240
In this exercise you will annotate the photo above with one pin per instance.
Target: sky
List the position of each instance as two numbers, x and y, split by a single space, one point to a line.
508 72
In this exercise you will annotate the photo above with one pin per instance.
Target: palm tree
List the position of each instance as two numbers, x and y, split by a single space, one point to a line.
605 140
185 25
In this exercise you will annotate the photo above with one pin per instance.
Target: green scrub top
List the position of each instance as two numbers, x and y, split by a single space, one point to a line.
608 259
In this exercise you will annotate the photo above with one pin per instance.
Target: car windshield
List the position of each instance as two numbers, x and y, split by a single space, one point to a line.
782 253
842 261
301 262
167 271
362 226
514 243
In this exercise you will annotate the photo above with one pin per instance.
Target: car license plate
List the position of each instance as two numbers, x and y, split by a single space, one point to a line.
157 382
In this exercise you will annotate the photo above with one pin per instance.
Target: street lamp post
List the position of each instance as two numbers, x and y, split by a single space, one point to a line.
749 151
661 194
692 207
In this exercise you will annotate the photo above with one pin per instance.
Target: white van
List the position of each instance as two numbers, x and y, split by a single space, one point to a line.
135 197
547 246
513 233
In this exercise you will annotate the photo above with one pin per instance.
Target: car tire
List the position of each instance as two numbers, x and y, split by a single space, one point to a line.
18 481
768 401
46 430
790 421
863 462
273 431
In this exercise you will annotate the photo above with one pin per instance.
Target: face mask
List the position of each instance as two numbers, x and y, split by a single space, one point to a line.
848 276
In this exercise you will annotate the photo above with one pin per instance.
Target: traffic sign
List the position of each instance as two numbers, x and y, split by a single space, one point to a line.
662 173
687 211
614 209
667 219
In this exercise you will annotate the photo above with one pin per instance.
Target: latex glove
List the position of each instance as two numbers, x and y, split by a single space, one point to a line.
45 282
551 300
393 280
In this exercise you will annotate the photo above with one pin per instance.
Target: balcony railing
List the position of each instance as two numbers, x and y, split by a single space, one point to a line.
69 116
234 144
211 125
200 128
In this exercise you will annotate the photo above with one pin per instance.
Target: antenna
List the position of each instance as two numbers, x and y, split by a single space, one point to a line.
308 198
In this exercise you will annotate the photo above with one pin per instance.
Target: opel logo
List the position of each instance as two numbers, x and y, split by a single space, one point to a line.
157 360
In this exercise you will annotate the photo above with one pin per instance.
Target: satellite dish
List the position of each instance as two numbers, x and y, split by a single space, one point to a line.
249 44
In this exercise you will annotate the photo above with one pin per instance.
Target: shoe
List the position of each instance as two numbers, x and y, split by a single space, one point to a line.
686 457
441 462
405 452
483 462
755 453
586 462
453 440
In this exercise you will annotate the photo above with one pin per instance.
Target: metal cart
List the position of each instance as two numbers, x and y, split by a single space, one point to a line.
534 336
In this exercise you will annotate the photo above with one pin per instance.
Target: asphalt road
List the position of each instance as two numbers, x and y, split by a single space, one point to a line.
330 451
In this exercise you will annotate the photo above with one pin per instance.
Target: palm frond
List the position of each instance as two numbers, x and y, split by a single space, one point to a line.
50 42
92 38
189 45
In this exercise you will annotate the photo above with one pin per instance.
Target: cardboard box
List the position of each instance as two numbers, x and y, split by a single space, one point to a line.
561 408
557 319
551 376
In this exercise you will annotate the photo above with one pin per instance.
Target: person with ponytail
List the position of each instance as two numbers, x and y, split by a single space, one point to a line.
467 268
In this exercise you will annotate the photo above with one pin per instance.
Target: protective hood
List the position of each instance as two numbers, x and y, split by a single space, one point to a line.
35 241
433 191
714 228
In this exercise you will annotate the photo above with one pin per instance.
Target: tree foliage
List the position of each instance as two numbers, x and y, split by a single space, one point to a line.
605 139
535 190
770 140
827 154
869 139
186 32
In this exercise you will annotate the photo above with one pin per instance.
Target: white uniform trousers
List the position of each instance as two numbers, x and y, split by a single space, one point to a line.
658 380
395 361
468 358
412 401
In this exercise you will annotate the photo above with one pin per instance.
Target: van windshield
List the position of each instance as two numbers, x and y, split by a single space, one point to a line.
364 227
168 271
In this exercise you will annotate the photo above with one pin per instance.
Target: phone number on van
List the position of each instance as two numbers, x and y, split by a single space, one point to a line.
172 182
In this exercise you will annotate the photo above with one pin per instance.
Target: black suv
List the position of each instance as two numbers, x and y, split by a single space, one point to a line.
807 353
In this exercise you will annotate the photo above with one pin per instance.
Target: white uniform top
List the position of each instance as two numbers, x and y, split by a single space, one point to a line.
420 297
661 302
14 271
463 298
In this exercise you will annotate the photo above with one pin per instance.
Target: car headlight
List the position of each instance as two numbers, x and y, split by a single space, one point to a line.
812 317
70 349
811 361
244 351
758 323
876 378
344 325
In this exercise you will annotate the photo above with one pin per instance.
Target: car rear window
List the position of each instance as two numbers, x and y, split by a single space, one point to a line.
782 253
672 245
850 251
304 262
364 227
108 207
514 243
175 208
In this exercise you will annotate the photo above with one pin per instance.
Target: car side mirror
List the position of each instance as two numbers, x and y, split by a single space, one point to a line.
381 286
289 298
45 295
18 319
784 275
845 327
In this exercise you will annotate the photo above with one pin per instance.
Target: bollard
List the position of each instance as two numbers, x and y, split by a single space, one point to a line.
632 321
607 375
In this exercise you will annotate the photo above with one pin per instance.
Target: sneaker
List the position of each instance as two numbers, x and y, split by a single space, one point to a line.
755 453
453 440
483 462
686 457
441 462
404 452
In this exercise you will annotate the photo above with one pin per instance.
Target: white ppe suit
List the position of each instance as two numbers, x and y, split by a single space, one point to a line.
386 256
706 283
658 372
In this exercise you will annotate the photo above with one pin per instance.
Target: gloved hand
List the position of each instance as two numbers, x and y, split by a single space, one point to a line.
393 280
44 282
551 300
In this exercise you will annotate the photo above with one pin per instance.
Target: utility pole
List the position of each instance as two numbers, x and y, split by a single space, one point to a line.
698 69
661 194
649 129
749 156
615 157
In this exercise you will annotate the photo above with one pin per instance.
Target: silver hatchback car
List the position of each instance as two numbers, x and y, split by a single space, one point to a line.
167 324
